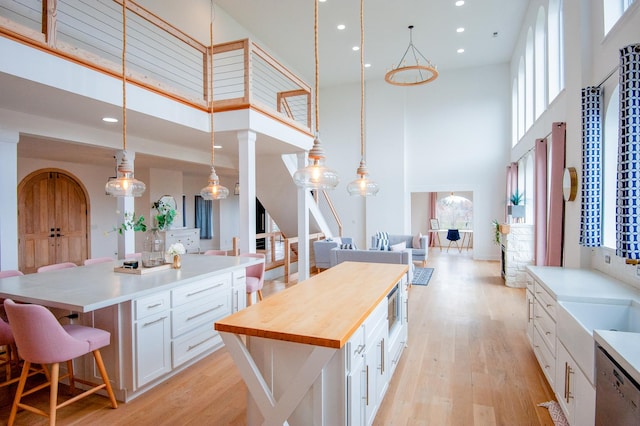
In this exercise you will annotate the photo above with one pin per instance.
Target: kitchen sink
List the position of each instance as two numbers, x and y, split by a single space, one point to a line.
577 320
604 316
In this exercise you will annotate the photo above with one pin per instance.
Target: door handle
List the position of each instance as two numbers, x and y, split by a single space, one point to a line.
52 235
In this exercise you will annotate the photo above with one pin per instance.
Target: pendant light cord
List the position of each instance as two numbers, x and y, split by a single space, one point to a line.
211 84
317 58
362 142
124 75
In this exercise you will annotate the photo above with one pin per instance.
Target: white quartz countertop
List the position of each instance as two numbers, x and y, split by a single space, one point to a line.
87 288
584 285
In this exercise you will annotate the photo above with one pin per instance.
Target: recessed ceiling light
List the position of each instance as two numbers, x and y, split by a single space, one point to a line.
460 50
217 146
109 120
460 30
355 48
367 65
458 3
322 1
342 26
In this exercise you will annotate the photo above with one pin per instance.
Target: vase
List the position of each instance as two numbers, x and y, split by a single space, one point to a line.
177 261
153 253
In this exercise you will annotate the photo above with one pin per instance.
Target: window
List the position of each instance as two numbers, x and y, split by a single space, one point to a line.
521 99
555 49
204 217
613 11
514 113
455 211
540 51
528 76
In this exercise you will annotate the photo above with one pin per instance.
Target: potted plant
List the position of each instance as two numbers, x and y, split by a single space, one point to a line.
516 209
166 214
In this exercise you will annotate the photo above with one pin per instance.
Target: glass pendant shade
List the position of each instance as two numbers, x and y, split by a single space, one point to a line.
316 175
214 191
125 185
363 186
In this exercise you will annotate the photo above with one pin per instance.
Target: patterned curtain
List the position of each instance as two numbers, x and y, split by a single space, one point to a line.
591 192
628 189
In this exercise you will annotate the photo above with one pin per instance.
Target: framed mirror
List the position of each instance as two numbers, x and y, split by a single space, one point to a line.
570 184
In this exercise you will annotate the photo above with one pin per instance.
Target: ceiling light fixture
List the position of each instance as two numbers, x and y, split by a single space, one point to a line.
362 186
460 3
460 30
460 50
125 184
341 27
412 75
316 175
109 119
213 190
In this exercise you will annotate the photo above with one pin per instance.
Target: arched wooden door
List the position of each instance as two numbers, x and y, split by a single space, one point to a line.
52 220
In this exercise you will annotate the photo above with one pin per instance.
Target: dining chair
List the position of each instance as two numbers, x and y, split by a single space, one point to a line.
6 274
215 253
453 235
41 339
255 276
10 352
56 266
95 260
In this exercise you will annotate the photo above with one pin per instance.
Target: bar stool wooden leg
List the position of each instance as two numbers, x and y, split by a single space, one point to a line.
105 378
53 394
16 400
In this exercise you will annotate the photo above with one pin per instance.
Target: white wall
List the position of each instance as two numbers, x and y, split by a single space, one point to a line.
449 135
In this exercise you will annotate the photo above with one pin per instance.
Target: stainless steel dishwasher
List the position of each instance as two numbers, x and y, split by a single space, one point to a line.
617 394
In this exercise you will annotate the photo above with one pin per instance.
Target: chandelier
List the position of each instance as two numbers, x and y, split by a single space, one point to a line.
419 70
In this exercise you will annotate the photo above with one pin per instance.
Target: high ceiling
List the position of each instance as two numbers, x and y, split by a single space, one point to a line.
286 27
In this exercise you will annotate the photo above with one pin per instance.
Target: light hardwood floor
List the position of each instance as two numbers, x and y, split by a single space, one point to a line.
468 363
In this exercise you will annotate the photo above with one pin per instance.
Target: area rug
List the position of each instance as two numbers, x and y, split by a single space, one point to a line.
555 412
421 276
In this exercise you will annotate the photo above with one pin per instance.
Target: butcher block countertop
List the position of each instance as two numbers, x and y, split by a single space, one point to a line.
324 310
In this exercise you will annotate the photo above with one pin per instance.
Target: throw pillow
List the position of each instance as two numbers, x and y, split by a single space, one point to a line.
398 247
382 239
347 246
416 241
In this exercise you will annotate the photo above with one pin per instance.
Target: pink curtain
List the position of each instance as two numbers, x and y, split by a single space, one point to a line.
556 200
433 199
540 200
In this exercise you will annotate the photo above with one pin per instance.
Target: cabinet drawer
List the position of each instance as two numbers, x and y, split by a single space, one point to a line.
355 348
545 325
152 304
530 283
546 299
193 344
379 314
201 288
206 311
546 359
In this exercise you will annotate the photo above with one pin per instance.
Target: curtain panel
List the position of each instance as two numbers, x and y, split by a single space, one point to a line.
204 217
556 200
591 188
512 187
628 185
540 203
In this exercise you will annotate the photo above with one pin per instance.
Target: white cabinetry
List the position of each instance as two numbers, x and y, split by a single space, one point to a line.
239 290
573 390
375 368
543 331
152 337
189 237
529 298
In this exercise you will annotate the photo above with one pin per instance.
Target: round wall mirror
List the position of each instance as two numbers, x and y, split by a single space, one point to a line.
570 184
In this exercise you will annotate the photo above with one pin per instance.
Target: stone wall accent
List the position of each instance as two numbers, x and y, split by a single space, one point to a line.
518 253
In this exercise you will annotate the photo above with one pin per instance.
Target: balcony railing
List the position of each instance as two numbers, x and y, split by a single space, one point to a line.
160 57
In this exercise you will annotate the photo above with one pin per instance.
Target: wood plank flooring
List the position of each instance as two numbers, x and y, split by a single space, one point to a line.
468 363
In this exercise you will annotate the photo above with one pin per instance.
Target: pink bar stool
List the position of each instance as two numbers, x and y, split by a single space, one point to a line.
215 253
56 266
95 260
255 274
42 340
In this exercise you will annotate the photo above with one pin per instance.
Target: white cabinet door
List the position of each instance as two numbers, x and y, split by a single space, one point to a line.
573 390
239 290
530 315
153 347
356 382
375 370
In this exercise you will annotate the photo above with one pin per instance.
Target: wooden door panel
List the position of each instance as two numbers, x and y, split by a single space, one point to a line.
52 221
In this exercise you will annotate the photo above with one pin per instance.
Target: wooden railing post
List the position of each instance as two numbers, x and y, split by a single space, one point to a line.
287 259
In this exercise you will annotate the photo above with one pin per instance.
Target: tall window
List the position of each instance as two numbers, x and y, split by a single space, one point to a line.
521 100
540 50
555 50
528 76
454 212
204 217
514 112
613 11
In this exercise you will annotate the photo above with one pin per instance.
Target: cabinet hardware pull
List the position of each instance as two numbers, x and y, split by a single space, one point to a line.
549 305
359 349
199 343
204 289
546 333
382 356
154 306
153 322
367 385
205 312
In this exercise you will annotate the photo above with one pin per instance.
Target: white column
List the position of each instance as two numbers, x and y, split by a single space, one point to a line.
126 241
247 167
9 190
303 225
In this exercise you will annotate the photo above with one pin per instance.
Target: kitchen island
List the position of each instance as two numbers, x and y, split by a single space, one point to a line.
160 322
323 351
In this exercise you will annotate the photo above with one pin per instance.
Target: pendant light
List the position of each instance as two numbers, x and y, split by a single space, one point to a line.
415 72
316 175
363 186
213 190
125 184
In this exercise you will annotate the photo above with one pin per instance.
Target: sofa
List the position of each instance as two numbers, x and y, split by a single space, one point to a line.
322 248
419 254
339 255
